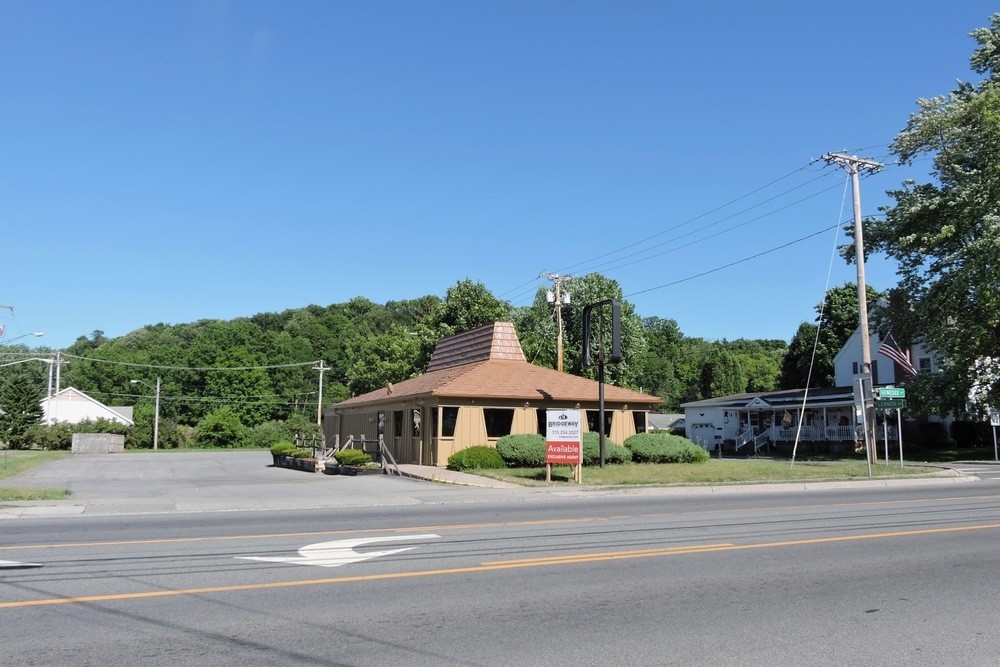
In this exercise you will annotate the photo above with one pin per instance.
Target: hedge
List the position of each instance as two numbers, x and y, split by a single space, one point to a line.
476 458
613 452
664 448
522 450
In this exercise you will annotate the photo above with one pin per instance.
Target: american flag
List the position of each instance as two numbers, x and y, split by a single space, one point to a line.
889 348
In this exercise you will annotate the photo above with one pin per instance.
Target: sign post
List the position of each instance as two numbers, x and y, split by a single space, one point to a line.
994 422
563 442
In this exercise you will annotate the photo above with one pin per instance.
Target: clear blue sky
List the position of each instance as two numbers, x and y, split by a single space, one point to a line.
173 161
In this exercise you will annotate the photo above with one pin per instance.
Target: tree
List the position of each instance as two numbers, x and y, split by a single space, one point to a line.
468 305
837 318
20 403
945 235
722 374
384 358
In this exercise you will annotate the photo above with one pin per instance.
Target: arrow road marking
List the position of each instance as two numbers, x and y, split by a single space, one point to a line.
340 552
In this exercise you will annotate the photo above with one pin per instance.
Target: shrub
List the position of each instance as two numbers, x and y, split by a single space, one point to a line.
613 452
934 435
221 428
476 458
282 448
522 450
297 453
971 433
664 448
352 457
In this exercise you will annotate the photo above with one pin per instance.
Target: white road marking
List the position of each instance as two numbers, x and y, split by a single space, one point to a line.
339 552
13 565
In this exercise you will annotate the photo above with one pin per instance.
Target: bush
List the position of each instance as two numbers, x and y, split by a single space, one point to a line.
352 457
664 448
934 435
613 452
522 450
476 458
221 428
297 453
282 448
972 433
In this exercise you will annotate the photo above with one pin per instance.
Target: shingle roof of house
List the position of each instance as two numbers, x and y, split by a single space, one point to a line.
783 398
487 363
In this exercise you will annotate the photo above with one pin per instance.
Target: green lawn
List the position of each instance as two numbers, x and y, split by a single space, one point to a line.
714 471
13 462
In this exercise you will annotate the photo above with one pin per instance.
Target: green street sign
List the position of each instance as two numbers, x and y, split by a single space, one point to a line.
889 403
891 392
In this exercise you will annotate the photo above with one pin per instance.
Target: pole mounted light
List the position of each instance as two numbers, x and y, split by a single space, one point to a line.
36 334
156 410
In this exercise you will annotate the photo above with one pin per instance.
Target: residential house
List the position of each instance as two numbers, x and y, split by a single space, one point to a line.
72 406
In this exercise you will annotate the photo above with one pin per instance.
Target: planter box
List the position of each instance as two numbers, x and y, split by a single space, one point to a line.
360 470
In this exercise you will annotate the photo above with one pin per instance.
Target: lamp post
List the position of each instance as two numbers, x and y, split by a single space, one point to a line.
156 410
36 334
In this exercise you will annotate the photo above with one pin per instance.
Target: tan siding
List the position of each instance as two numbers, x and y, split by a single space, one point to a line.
525 421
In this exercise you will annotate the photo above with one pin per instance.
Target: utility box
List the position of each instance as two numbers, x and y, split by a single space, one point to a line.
98 443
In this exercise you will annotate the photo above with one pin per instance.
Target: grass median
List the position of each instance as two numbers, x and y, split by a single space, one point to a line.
14 462
714 471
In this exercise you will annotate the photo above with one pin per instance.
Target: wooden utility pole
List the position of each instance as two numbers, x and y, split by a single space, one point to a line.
319 401
853 164
556 298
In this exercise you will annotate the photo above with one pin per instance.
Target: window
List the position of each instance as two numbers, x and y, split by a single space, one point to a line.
449 416
498 421
639 419
416 422
542 427
592 419
924 364
397 423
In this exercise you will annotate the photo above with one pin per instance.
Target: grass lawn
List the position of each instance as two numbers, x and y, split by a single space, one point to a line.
13 462
714 471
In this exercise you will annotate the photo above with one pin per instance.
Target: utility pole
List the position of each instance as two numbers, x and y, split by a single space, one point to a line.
853 164
319 403
556 298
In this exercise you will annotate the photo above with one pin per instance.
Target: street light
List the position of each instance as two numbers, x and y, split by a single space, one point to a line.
36 334
156 410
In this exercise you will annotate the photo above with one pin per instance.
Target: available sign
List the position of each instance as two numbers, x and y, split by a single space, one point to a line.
891 392
563 437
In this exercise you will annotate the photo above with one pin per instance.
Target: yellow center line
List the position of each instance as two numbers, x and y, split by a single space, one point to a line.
502 565
312 533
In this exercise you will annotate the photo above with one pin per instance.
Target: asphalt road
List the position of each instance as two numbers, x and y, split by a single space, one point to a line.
901 574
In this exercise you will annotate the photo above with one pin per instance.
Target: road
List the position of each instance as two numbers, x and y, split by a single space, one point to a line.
890 576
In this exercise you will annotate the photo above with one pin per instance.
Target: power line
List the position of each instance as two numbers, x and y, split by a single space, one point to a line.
190 368
732 264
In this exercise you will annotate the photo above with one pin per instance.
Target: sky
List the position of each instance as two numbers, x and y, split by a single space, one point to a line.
177 161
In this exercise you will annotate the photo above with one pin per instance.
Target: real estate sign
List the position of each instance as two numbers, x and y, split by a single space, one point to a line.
563 437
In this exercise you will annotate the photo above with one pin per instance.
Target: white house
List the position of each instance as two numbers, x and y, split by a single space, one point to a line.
73 406
825 415
884 370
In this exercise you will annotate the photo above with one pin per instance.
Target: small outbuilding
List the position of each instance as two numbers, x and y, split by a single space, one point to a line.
479 387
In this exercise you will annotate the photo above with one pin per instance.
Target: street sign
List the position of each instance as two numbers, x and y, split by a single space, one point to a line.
889 403
891 392
994 417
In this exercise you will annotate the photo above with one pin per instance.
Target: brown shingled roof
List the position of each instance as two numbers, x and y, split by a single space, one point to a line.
497 370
